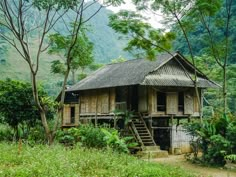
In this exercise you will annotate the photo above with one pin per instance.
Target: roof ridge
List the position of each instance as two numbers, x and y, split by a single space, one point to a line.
129 60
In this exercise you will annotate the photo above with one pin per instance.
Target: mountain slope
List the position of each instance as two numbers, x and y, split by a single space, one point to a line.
107 46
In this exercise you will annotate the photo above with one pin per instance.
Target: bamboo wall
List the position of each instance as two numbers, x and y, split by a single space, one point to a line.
100 101
191 106
67 114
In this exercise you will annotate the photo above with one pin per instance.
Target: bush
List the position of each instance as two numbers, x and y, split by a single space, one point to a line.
216 138
92 137
96 137
6 133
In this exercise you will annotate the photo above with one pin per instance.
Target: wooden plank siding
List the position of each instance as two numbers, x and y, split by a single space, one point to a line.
142 100
101 101
112 99
67 114
171 103
191 106
188 103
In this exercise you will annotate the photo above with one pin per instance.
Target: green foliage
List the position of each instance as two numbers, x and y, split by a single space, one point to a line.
118 60
113 140
56 160
17 105
92 137
79 56
96 137
81 76
35 135
231 157
216 138
219 146
144 37
6 133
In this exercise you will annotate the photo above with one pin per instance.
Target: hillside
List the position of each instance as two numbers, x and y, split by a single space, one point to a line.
107 46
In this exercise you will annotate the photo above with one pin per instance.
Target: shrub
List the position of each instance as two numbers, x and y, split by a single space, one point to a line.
6 133
117 143
216 138
96 137
92 137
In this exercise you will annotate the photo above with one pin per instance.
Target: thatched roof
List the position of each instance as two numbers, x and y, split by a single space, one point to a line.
160 72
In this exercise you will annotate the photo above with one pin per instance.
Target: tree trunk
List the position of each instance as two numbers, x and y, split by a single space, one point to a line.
225 90
73 76
61 103
40 108
193 62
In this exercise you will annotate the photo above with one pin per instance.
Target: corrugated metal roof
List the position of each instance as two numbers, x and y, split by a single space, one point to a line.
162 72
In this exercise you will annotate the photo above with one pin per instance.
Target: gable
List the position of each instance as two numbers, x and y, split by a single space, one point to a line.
175 73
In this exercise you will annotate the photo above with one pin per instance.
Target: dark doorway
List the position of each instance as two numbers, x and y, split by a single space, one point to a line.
181 101
162 133
133 97
72 115
121 98
161 101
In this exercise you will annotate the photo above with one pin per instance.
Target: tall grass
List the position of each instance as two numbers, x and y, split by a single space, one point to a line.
54 161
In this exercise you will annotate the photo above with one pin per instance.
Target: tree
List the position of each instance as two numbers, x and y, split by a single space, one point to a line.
82 55
218 38
23 18
17 105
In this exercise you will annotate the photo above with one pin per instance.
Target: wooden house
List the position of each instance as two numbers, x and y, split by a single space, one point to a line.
158 92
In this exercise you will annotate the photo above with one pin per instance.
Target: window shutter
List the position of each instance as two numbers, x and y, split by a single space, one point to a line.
188 103
172 103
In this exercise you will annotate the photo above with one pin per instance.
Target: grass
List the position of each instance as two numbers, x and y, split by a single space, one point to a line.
54 161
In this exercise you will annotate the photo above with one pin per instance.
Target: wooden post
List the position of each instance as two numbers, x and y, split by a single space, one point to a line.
201 106
172 117
78 107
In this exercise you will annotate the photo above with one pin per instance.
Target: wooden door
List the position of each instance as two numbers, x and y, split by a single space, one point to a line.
188 103
142 99
172 103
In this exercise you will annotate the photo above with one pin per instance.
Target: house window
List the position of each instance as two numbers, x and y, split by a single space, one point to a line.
72 115
181 101
161 101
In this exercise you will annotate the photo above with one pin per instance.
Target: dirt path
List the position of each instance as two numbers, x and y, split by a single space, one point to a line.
179 160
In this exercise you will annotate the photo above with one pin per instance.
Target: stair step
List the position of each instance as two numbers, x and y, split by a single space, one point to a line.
147 141
154 154
151 148
140 126
145 136
141 129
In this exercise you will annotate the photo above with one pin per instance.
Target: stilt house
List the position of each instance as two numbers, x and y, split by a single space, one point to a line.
157 92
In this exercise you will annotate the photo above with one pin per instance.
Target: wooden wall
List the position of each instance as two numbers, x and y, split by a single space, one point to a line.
67 112
142 98
101 101
191 106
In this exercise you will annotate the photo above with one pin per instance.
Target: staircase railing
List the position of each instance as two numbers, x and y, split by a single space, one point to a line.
141 118
136 134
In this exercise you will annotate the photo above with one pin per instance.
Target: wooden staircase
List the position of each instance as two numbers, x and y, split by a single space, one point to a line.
141 132
149 149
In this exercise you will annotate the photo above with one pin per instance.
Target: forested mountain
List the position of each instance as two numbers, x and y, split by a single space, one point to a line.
198 37
107 46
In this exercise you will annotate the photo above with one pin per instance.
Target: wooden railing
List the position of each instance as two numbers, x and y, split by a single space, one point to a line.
136 134
121 106
141 118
